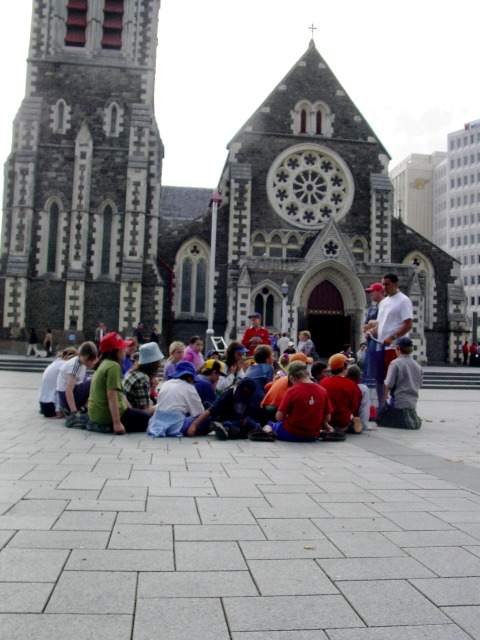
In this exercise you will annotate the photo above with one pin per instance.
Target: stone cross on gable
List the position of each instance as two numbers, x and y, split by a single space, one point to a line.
312 28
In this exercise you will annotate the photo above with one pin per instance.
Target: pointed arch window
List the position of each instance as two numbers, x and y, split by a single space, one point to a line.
60 116
265 306
191 278
113 119
52 237
107 240
303 121
313 119
76 33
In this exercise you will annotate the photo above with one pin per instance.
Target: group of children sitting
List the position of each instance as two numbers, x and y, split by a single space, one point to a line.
237 398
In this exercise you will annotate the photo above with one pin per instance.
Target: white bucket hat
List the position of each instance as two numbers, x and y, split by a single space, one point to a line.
149 352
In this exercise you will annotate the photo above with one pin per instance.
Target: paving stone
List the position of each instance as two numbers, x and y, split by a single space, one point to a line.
364 544
94 592
472 528
378 523
430 538
191 482
210 532
374 568
415 521
140 536
196 584
180 619
110 492
454 517
450 591
83 480
466 617
42 508
24 597
289 549
290 529
26 522
6 535
290 577
285 613
120 560
290 506
228 510
280 635
418 632
350 510
174 510
85 521
390 603
448 562
208 556
66 627
60 540
236 488
31 565
81 504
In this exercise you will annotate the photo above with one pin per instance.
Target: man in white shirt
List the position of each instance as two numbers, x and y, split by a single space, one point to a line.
395 319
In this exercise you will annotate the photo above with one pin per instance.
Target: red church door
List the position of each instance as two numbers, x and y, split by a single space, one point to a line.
326 321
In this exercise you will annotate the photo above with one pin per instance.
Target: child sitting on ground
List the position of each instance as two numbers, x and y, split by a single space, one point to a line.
47 396
305 409
72 386
404 379
354 373
261 373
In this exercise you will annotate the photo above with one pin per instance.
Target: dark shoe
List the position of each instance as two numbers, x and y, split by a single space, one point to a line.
220 431
332 436
259 435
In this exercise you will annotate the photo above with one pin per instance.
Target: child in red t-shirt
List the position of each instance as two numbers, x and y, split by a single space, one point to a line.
305 409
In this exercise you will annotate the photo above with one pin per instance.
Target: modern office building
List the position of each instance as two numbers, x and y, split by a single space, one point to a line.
413 188
457 209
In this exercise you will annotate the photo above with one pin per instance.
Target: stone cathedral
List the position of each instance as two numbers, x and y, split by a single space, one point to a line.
90 234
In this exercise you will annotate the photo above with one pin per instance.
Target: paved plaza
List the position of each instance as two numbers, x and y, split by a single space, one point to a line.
127 537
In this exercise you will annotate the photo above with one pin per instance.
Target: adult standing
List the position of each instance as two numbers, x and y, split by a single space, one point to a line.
100 331
32 344
138 333
376 296
395 319
282 343
255 334
47 343
465 352
473 354
155 336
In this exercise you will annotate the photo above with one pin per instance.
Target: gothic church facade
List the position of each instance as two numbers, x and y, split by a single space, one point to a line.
306 202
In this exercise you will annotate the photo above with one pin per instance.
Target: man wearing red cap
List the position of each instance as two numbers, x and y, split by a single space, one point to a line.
369 371
255 335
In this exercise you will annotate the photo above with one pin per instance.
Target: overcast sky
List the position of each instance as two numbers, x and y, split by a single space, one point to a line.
411 68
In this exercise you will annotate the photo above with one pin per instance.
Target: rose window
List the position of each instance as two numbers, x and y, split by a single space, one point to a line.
309 185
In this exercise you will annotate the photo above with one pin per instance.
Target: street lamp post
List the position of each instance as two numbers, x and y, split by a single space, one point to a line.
284 306
215 202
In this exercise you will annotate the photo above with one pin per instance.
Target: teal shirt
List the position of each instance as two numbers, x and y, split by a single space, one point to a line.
107 376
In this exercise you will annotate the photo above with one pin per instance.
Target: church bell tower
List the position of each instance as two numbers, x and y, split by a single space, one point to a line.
82 182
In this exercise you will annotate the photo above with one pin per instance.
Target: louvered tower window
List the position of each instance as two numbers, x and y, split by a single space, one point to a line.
76 23
112 24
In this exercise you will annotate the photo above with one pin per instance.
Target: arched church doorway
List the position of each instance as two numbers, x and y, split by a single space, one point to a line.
326 321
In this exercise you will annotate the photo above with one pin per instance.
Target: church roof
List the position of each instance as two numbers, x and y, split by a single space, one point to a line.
184 203
310 79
